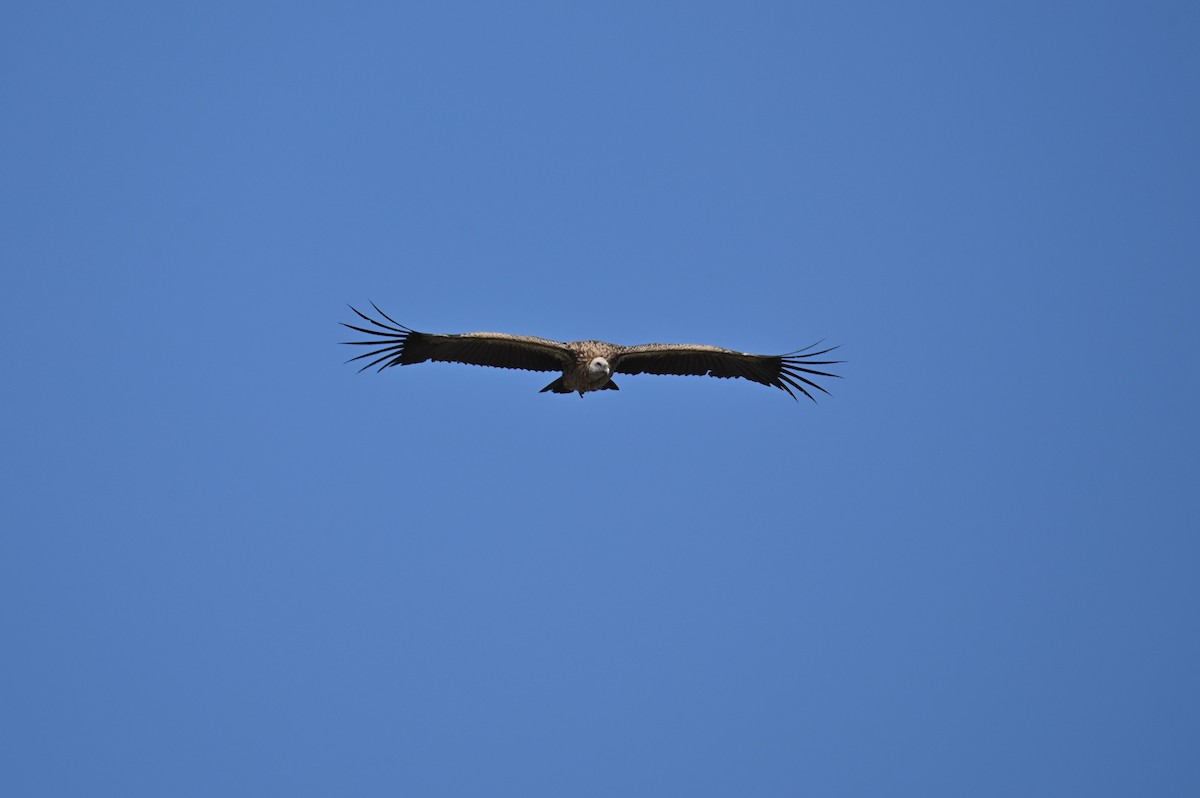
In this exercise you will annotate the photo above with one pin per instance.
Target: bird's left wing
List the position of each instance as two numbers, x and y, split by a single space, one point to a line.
779 371
397 345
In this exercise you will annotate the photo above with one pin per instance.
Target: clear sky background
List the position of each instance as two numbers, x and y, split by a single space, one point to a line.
230 565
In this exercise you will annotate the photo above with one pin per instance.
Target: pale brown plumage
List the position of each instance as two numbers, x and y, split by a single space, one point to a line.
585 365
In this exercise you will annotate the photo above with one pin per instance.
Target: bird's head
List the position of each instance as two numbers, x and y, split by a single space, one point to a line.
598 369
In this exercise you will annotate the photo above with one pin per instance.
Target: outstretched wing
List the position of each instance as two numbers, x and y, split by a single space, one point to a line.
397 345
780 371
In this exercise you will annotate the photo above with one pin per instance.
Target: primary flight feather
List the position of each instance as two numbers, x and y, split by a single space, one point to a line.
585 365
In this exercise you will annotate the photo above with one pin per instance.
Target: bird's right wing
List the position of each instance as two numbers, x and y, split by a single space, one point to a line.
397 345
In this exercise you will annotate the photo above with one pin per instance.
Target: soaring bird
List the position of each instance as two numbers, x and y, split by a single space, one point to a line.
585 365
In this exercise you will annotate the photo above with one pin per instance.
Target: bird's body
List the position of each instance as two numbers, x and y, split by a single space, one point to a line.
590 369
585 365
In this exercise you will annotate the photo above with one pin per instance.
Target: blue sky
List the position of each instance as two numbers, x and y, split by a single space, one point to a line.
231 565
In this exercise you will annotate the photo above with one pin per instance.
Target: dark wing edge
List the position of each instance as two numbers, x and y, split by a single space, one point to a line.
779 371
397 345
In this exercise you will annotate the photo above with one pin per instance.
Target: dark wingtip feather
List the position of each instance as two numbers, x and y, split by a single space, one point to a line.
389 318
794 365
391 343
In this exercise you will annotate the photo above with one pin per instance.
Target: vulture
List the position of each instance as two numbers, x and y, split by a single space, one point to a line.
585 365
